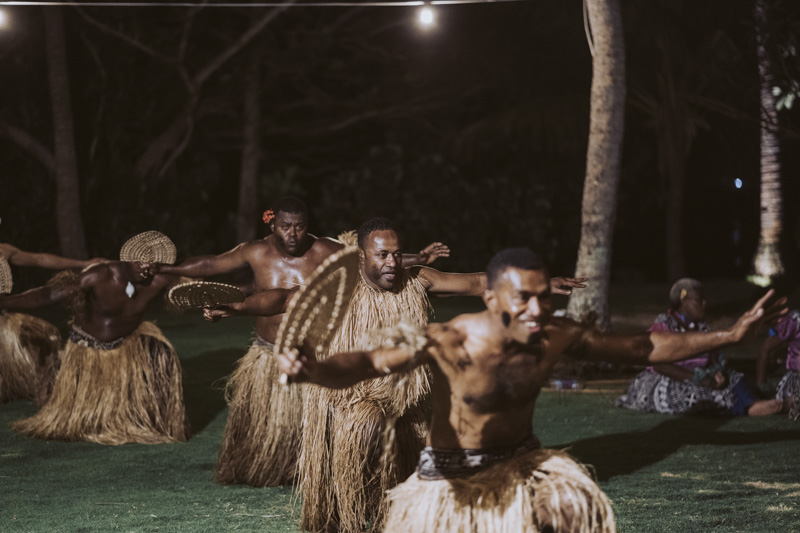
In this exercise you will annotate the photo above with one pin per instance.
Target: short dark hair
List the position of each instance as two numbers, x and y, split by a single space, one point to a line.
373 224
290 204
523 258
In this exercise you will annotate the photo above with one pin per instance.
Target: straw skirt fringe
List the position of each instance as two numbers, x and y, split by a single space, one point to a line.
341 477
28 357
525 494
262 434
344 482
133 393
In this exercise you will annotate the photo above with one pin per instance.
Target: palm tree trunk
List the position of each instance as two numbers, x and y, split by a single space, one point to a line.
606 126
251 151
71 233
767 263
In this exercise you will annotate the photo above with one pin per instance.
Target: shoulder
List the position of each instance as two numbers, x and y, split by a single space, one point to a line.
266 243
425 274
326 245
99 272
663 322
455 333
445 342
448 333
788 327
663 318
568 335
254 249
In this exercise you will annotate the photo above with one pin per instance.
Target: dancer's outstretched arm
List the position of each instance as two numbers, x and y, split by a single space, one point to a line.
266 303
22 258
427 255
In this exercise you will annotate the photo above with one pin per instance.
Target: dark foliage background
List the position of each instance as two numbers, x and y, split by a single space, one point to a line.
474 133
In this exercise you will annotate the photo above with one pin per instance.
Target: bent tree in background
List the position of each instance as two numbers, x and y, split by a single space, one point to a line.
767 263
606 126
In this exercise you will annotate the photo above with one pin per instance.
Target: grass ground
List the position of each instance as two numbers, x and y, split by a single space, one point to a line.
662 473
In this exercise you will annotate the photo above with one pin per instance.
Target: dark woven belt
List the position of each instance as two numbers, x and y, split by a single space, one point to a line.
447 463
79 336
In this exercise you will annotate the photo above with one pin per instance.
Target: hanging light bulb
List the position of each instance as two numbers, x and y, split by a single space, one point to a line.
426 16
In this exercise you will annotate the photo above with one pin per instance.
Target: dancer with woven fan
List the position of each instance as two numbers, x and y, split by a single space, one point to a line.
120 379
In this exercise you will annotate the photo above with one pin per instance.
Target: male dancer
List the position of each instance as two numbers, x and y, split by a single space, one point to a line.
482 470
120 379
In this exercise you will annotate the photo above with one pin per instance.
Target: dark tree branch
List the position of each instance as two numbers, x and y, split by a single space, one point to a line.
127 39
215 64
30 144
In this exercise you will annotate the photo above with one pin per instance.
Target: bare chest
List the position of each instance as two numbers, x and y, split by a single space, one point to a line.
285 274
491 386
120 299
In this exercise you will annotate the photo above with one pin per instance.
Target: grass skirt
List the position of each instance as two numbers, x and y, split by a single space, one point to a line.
344 481
789 391
262 434
28 357
525 494
131 393
341 475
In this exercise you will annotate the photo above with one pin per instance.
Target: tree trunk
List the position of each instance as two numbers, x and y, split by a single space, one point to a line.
767 263
676 264
71 234
602 162
673 147
246 213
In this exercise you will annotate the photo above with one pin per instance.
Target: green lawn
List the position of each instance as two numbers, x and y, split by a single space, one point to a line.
662 473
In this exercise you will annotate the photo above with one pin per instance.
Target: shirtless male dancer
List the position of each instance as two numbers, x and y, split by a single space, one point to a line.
120 379
483 470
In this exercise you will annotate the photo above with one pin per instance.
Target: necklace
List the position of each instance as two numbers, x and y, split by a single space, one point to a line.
130 289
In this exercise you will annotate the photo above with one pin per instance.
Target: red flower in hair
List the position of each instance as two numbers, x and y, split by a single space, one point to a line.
268 216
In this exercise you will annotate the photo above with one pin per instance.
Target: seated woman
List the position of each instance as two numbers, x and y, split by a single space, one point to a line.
783 338
702 384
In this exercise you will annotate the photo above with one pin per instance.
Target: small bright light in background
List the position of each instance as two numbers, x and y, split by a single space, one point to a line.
737 183
3 19
426 16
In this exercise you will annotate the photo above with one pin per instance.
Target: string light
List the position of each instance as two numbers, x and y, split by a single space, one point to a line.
345 3
426 16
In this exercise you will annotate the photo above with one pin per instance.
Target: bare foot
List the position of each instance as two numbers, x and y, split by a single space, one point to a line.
765 408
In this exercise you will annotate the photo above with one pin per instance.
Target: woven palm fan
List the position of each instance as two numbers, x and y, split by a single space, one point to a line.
6 281
199 294
314 315
149 247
